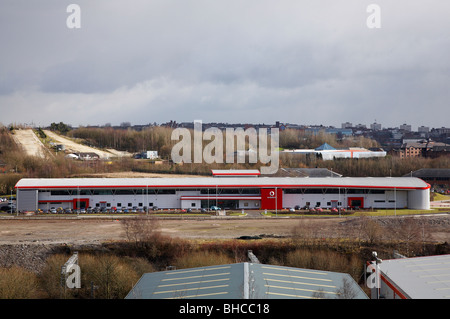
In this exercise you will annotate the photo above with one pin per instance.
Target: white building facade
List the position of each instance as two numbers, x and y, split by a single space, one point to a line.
228 193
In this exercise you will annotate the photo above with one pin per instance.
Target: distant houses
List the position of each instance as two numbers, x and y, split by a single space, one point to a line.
327 152
88 156
147 155
423 148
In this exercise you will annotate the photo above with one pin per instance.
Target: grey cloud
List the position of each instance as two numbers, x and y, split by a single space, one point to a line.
237 61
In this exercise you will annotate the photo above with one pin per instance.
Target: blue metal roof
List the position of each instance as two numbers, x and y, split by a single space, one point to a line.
325 147
244 281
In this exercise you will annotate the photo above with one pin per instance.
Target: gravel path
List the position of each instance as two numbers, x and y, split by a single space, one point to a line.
30 143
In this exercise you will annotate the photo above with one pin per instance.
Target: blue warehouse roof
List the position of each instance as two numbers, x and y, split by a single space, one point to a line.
244 281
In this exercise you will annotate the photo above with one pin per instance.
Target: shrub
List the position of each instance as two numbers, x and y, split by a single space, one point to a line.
202 258
102 276
17 283
325 260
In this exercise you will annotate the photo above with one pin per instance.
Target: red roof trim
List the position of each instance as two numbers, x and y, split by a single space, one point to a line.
395 289
227 186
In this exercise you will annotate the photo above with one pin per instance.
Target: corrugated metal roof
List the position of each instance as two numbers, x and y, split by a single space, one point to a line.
282 182
244 281
420 277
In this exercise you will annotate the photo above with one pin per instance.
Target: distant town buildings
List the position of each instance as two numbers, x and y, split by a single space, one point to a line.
423 148
405 127
375 126
402 141
327 152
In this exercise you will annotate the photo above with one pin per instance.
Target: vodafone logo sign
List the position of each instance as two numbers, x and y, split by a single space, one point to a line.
272 193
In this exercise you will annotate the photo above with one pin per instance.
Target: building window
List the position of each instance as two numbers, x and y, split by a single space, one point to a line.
119 204
130 204
192 204
150 204
140 204
317 204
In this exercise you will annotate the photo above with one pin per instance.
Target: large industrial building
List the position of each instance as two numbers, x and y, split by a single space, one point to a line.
241 191
414 278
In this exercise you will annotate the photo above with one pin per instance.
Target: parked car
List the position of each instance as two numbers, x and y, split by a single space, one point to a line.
215 208
8 208
319 210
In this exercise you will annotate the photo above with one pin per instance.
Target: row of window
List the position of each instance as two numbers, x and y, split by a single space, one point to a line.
112 192
128 205
332 191
230 191
211 191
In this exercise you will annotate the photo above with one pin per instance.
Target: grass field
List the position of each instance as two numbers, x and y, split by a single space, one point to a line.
379 212
439 197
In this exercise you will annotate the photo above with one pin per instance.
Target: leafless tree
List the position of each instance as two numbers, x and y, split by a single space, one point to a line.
370 229
141 229
346 291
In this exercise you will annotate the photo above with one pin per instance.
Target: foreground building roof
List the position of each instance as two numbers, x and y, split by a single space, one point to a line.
418 277
246 281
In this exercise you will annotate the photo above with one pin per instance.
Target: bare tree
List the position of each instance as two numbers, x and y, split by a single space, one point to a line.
370 229
346 291
141 229
408 230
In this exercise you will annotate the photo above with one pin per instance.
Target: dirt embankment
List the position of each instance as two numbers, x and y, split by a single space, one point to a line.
28 242
30 143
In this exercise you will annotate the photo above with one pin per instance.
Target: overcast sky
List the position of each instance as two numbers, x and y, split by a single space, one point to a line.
236 61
